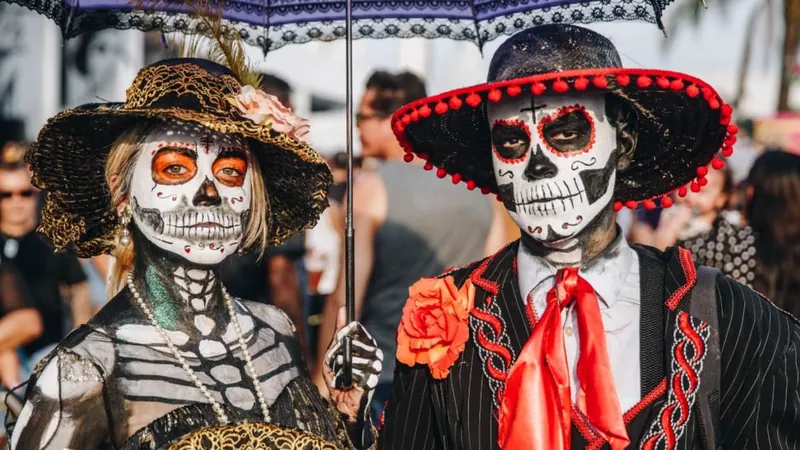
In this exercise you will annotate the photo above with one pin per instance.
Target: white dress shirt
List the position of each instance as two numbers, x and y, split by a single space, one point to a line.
614 275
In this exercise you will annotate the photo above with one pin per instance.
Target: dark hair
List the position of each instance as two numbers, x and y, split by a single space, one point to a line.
12 156
773 212
392 91
277 86
82 52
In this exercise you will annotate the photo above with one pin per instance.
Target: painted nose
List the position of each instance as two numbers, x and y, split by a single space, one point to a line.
540 167
207 195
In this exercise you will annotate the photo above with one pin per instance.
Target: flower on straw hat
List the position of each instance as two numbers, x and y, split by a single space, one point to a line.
266 109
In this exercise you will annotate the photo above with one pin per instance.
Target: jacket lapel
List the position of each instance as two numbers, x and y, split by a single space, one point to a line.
498 324
684 341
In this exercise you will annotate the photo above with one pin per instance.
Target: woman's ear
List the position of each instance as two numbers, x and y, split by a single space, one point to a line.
627 138
123 204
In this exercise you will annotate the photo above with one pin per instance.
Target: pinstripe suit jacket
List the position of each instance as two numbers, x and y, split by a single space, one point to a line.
760 367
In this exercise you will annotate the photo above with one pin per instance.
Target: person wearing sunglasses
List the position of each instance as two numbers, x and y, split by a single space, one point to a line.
409 225
53 280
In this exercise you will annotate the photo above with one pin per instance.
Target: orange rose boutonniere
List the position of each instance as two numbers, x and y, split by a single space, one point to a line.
434 327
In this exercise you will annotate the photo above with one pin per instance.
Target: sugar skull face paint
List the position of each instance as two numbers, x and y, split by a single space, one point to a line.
191 192
554 160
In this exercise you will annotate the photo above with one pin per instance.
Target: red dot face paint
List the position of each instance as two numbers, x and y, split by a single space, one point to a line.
569 131
511 140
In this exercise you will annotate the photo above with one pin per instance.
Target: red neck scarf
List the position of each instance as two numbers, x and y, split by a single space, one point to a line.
536 404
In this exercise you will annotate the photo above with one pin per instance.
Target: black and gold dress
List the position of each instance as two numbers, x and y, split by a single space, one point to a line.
113 384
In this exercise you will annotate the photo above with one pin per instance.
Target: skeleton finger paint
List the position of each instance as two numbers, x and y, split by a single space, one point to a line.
555 162
191 192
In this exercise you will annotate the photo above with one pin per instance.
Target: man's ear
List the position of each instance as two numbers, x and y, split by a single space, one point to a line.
627 138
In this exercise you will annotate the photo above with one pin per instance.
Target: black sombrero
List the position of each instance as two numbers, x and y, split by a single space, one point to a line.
69 156
682 121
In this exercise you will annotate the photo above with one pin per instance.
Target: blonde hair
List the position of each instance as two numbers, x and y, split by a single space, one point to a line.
119 175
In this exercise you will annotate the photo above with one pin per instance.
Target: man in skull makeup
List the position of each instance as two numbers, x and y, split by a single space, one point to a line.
199 165
570 338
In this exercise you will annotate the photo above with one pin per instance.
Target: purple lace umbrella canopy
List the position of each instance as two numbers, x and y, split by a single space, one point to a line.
271 24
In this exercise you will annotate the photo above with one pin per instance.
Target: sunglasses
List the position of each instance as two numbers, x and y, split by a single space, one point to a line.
27 193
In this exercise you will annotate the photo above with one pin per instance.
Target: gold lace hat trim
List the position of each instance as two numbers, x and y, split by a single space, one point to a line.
262 436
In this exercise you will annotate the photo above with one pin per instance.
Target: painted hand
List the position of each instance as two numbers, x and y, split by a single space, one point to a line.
367 365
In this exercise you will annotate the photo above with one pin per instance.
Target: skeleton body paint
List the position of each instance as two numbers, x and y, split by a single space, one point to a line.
191 191
555 164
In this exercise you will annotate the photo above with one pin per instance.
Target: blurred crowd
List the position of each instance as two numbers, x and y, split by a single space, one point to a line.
409 225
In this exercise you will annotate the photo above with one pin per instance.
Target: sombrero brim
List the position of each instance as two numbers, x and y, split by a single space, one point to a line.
69 156
682 123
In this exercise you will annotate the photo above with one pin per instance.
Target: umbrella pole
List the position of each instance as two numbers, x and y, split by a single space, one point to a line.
349 232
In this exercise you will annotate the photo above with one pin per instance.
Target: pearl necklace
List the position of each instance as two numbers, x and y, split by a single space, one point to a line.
223 418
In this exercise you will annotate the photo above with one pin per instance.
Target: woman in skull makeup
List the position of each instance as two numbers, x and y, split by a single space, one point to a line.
199 165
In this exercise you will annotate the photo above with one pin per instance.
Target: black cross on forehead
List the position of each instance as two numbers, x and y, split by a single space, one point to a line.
207 140
533 108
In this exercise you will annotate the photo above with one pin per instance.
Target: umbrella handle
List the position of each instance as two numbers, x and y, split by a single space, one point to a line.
349 231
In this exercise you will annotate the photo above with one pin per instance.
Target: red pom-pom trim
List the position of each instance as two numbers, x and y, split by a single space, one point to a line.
560 86
423 156
623 80
456 178
406 119
682 191
724 120
428 166
455 102
713 103
425 111
581 83
727 151
538 88
692 91
733 129
408 157
485 190
694 186
717 164
514 91
441 108
631 204
495 95
676 85
600 82
666 202
617 206
415 116
473 100
441 173
644 81
726 110
649 205
702 171
662 82
471 185
702 181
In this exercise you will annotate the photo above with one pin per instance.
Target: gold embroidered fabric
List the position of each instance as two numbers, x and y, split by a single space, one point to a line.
68 158
251 436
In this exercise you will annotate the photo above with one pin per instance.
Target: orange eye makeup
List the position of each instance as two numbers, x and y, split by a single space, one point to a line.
172 166
230 169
